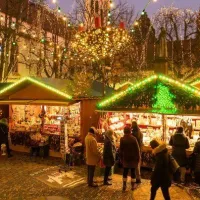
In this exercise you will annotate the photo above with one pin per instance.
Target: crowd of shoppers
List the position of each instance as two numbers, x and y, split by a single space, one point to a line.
130 149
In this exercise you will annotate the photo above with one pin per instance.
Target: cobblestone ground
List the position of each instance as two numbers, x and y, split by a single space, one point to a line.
21 179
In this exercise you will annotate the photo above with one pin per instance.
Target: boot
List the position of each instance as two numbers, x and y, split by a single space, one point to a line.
124 184
132 185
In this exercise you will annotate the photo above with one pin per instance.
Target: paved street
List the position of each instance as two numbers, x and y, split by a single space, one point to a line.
25 178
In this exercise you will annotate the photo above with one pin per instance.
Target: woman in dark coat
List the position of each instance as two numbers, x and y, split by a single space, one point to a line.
4 135
161 176
180 143
196 151
129 155
109 153
139 136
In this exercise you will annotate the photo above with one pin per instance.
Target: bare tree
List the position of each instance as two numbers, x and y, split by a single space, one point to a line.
181 29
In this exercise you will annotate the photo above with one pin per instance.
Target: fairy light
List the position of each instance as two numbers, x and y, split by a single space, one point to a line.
37 83
138 85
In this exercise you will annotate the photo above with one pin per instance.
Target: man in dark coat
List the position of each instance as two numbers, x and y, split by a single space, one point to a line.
161 176
129 155
180 143
4 135
109 153
196 151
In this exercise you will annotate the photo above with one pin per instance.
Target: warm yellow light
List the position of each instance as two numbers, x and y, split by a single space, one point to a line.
155 0
54 1
136 23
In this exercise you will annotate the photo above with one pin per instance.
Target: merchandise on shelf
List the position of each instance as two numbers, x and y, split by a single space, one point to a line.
33 125
157 126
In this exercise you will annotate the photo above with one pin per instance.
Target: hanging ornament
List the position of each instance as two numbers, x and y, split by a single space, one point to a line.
122 25
97 22
81 27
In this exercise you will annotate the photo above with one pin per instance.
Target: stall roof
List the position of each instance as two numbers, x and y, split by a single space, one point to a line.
32 91
196 83
70 87
35 90
156 94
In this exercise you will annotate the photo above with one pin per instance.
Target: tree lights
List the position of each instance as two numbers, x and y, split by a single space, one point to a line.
164 100
100 43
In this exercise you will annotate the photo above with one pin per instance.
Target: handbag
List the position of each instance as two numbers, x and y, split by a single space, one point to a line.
174 166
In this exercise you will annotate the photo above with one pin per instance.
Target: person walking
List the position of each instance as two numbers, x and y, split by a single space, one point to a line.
196 152
161 176
109 153
139 136
92 155
180 143
4 135
129 156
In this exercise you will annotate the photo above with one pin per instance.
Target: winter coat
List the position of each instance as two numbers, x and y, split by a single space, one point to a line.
92 153
161 175
109 152
139 136
196 151
179 143
129 151
3 133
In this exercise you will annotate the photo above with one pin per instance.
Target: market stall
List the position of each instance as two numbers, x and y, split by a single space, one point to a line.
37 112
159 104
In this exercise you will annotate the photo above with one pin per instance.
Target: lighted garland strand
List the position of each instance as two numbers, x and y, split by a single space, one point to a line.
141 94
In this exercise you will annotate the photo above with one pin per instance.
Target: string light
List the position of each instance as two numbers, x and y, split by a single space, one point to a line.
37 83
146 81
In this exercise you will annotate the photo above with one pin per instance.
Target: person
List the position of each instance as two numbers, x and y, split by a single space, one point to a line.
180 143
109 153
4 135
92 155
196 151
139 136
129 156
161 176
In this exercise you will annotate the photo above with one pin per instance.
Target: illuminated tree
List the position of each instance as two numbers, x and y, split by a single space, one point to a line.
164 100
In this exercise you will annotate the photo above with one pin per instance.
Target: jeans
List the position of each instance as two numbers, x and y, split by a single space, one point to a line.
182 172
91 169
106 173
197 177
137 172
125 174
165 192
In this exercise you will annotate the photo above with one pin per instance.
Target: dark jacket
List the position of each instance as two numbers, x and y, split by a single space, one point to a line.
196 151
161 175
179 143
139 136
109 152
3 133
129 151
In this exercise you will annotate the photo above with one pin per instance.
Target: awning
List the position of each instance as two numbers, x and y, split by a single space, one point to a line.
31 91
36 102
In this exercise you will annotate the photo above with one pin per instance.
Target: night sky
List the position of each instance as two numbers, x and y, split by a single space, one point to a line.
66 5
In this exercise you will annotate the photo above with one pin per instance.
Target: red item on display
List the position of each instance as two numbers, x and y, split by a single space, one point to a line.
122 25
81 28
97 22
